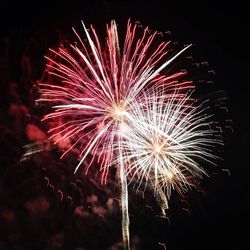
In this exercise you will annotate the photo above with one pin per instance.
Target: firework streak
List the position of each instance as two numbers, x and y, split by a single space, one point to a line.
98 91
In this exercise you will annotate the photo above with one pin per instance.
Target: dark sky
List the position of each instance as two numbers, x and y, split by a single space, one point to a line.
220 220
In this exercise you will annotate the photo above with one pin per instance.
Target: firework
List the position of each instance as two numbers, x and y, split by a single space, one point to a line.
92 86
165 140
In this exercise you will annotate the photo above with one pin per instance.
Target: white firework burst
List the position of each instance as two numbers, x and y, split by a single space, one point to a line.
166 140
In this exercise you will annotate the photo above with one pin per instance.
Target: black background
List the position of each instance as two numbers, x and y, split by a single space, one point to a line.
220 220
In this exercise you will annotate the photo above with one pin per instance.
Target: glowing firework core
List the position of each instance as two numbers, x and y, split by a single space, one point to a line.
160 147
117 112
157 149
170 175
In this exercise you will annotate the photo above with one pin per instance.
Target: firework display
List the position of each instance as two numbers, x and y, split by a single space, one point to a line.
117 107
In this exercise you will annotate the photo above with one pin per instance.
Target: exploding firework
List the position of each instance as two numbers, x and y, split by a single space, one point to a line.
166 139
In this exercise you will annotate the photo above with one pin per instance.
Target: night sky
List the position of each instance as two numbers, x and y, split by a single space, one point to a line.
219 218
